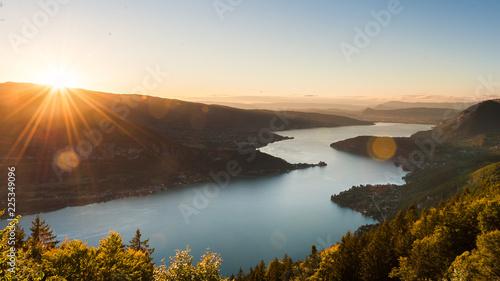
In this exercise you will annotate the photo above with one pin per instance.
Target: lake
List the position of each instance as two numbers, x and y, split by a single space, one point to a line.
251 218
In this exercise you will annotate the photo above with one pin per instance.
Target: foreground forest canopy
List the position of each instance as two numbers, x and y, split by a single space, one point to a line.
457 240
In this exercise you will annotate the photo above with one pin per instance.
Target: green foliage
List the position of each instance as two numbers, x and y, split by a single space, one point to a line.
117 263
182 269
489 217
42 234
137 245
72 259
488 252
378 257
39 258
208 268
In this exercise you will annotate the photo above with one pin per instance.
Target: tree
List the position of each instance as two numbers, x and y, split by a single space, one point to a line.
20 235
489 218
346 260
116 263
488 251
405 271
42 234
208 268
240 275
73 260
275 270
26 268
462 269
378 257
287 268
41 239
260 271
181 268
108 255
137 245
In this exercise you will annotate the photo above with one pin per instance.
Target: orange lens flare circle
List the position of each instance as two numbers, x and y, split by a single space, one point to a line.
381 148
66 159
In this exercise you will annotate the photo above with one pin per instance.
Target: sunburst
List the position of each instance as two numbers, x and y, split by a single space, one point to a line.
58 78
65 105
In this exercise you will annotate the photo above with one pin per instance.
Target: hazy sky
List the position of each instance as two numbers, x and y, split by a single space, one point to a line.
255 47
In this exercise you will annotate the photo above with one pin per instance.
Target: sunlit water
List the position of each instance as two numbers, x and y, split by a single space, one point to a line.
251 218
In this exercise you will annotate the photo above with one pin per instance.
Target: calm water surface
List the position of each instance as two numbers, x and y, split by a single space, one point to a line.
252 218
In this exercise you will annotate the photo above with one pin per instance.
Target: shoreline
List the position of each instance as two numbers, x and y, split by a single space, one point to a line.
182 180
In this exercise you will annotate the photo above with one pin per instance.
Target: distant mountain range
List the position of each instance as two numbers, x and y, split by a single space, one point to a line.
408 115
75 146
405 105
399 112
367 110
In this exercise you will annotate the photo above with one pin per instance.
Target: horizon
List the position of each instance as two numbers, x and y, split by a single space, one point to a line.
308 103
257 52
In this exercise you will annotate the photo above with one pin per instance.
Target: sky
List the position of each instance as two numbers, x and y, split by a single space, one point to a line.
233 49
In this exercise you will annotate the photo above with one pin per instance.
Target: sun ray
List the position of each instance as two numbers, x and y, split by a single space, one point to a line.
67 125
77 109
24 105
95 104
36 118
49 123
60 111
69 117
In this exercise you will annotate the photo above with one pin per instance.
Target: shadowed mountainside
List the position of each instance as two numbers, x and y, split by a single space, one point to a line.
482 118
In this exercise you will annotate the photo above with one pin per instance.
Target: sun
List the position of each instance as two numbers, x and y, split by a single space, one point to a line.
58 78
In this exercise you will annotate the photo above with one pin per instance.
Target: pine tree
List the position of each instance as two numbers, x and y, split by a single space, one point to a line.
42 234
137 245
240 275
287 268
346 261
378 257
117 263
275 270
20 235
260 271
314 257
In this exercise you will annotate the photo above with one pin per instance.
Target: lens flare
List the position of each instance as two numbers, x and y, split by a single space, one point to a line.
382 148
66 159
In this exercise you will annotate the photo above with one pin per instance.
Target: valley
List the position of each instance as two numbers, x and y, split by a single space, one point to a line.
93 147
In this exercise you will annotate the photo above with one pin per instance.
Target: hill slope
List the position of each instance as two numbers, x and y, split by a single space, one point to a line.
482 118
